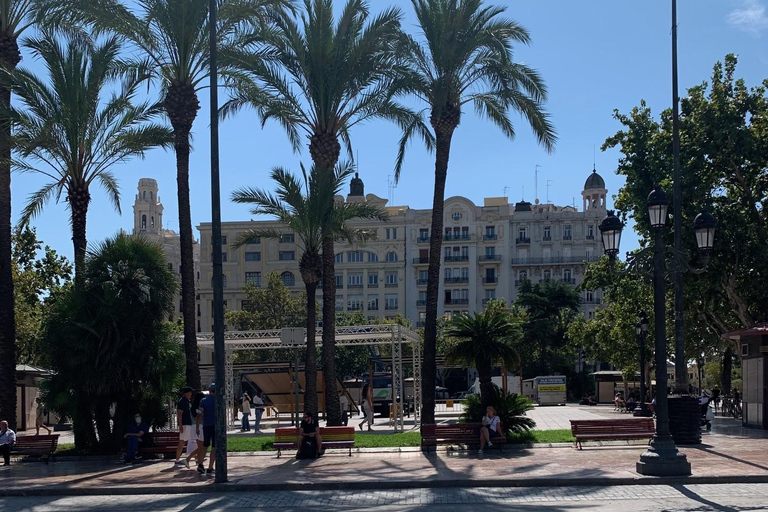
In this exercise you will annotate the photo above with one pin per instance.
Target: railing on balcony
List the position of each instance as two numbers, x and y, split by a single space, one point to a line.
461 279
354 285
421 260
455 302
490 257
390 285
593 300
373 285
566 237
421 282
423 240
554 259
546 238
390 307
490 280
462 257
590 237
421 303
569 280
490 236
373 307
453 238
523 240
355 307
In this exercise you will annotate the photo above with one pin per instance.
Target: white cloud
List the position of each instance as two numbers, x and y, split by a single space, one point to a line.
750 17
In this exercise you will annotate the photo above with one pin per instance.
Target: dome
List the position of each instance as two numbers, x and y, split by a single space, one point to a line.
594 181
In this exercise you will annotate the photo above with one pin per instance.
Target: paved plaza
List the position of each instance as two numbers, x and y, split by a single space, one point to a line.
733 497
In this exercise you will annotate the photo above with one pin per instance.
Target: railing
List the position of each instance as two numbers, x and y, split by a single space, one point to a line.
452 238
554 259
391 307
463 257
422 240
490 257
593 300
354 285
339 286
454 302
390 285
490 236
462 279
566 237
421 282
373 307
373 285
355 307
546 238
421 260
421 303
523 240
590 237
490 280
569 281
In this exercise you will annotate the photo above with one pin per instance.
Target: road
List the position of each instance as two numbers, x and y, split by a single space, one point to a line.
730 498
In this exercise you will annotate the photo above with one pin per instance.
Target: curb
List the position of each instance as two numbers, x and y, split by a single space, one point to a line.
383 485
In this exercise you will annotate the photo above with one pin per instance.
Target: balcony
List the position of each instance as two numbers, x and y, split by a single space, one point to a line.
554 259
421 282
546 238
523 240
590 237
421 261
373 285
373 307
490 236
569 280
490 280
566 237
355 285
461 279
422 240
339 286
355 307
454 237
489 258
457 302
593 300
391 307
421 303
462 257
390 285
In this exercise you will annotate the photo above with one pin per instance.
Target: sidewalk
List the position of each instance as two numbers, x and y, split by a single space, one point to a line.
736 455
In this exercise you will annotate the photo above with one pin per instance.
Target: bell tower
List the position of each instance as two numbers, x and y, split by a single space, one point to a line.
147 210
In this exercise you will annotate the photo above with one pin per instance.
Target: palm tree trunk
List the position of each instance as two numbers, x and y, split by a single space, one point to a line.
79 198
82 424
310 363
333 409
486 382
7 309
429 367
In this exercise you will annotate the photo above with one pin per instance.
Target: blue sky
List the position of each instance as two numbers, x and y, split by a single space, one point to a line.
595 56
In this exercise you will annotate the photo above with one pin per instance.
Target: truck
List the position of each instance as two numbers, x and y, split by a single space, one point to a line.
546 390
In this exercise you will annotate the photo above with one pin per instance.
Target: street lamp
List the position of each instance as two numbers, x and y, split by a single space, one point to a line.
662 457
642 332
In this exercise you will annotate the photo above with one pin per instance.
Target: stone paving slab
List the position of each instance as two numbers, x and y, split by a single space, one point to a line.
721 458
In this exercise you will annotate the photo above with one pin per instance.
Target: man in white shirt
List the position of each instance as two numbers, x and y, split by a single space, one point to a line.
7 440
490 428
344 403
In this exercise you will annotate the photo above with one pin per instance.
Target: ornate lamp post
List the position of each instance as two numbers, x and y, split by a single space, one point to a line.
662 457
642 332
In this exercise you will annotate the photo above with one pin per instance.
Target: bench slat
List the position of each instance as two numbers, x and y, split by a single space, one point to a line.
636 428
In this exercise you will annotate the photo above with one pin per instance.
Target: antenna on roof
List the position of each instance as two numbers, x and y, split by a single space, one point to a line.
505 190
536 182
391 186
523 198
548 182
594 161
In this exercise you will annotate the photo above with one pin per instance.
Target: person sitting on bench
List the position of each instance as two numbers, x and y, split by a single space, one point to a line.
309 430
133 437
7 440
491 427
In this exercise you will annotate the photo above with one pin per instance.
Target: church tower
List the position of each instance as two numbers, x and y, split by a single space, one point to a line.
147 210
594 193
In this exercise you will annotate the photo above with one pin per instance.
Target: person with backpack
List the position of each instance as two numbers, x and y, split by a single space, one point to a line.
310 442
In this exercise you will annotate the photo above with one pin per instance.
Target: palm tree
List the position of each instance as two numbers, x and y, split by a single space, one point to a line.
484 338
301 204
172 38
71 134
321 78
15 18
465 58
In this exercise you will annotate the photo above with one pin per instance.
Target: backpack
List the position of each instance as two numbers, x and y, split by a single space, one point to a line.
308 448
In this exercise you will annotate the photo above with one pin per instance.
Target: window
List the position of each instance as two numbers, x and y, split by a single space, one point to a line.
355 257
390 301
143 222
287 238
286 255
198 309
591 231
546 253
373 257
490 294
590 296
490 275
566 232
339 258
339 303
373 279
567 275
252 256
391 233
523 233
373 302
253 278
288 278
355 281
339 281
391 278
254 241
490 232
246 305
490 251
456 216
391 257
567 253
547 233
424 234
355 302
547 275
170 267
152 222
223 237
465 252
423 275
223 280
523 275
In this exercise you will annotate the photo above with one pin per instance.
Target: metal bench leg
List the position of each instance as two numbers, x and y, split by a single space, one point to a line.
278 453
350 451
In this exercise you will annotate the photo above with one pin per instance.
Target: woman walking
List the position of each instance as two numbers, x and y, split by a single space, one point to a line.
367 407
246 408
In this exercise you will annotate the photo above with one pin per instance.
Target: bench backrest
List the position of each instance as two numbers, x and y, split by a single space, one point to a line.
336 434
37 443
456 431
286 434
626 426
164 438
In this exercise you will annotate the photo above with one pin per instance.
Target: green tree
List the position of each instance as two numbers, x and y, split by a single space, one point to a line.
510 408
550 306
724 154
113 325
322 78
69 131
171 37
300 205
36 283
464 58
483 339
271 307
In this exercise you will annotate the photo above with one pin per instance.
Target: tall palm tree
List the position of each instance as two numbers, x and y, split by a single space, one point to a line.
69 132
301 204
172 38
484 338
465 57
320 78
15 18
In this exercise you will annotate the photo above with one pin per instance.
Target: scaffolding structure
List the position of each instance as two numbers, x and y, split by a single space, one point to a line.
394 335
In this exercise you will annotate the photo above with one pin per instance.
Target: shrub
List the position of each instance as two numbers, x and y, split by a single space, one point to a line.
510 408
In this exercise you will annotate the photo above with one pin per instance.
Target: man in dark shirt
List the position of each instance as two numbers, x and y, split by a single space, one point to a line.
133 437
184 420
208 417
308 429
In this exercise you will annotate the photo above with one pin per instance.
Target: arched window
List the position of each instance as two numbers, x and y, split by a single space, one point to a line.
152 221
567 274
523 275
288 278
143 222
144 195
391 257
223 281
373 257
150 196
339 258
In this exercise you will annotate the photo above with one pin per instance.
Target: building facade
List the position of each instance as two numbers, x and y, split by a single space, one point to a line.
488 250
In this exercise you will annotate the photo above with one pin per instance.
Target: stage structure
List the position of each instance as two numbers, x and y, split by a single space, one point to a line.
394 335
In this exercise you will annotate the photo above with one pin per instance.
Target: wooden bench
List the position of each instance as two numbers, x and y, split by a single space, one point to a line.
460 433
287 438
162 442
40 446
606 430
